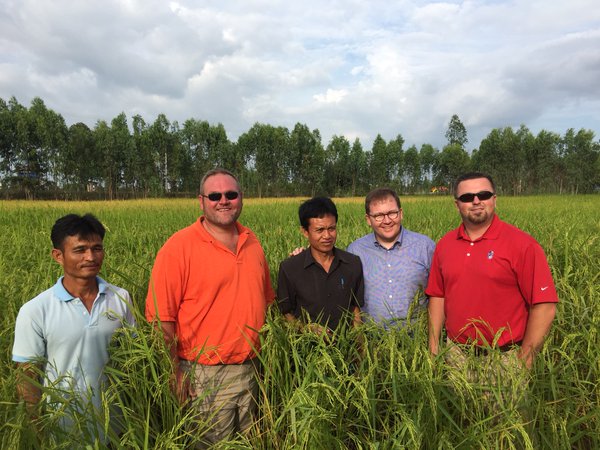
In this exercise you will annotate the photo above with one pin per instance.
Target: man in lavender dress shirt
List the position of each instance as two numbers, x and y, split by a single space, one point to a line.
395 260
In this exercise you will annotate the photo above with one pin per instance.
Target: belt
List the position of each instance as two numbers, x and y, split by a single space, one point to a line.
483 351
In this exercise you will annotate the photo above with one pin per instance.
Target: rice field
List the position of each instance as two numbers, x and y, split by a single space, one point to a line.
372 389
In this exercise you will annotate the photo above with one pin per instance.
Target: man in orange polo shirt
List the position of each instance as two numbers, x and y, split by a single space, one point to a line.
209 291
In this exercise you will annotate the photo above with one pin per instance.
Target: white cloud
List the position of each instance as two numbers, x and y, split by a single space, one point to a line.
352 68
331 96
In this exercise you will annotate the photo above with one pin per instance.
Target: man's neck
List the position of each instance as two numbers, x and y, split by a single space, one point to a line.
226 235
85 289
388 243
323 258
476 231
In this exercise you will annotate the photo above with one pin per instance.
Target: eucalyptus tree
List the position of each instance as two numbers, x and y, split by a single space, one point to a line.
379 173
427 157
411 169
163 137
358 167
79 161
37 138
265 148
338 176
306 159
502 154
451 162
7 140
541 161
456 133
146 179
580 154
395 161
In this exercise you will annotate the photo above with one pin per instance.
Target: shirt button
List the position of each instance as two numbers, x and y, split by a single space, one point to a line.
390 281
468 254
389 265
390 296
472 243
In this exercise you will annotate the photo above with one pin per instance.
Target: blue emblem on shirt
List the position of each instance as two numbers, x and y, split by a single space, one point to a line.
490 254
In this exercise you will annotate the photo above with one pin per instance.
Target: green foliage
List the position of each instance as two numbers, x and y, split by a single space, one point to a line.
41 158
456 134
371 388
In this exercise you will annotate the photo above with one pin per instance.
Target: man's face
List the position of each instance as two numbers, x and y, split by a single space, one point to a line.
222 212
385 228
321 233
79 257
477 212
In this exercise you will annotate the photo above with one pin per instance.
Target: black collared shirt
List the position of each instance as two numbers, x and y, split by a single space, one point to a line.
303 284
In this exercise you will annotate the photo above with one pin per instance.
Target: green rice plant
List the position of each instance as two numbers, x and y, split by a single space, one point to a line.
371 388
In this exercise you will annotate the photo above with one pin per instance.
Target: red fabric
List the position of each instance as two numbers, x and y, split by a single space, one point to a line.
489 284
217 299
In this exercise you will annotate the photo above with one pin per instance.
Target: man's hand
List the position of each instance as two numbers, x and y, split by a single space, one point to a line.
28 388
180 382
297 251
181 386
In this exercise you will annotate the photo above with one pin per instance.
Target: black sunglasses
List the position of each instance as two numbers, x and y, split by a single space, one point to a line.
470 196
216 196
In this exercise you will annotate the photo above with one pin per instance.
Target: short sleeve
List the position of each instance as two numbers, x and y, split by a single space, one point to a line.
534 276
29 335
165 289
435 283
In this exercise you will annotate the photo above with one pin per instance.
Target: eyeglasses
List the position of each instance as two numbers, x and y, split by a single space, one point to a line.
216 196
392 215
470 196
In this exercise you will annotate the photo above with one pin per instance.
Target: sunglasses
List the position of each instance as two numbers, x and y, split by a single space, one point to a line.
216 196
470 196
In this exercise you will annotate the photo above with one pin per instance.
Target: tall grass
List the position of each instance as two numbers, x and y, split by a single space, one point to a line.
369 388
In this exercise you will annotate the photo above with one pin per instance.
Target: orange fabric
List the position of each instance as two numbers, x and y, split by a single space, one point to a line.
217 299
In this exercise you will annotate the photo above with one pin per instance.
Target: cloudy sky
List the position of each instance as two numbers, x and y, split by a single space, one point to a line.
352 68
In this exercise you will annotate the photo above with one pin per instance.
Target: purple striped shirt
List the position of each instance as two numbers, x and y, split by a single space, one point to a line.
392 277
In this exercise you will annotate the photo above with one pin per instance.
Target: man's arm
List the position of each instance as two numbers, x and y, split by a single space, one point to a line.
357 319
437 317
540 319
180 382
27 389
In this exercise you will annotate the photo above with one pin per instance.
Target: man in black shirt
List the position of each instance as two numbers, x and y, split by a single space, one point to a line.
324 282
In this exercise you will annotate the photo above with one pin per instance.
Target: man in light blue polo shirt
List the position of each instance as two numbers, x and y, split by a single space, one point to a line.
395 260
67 329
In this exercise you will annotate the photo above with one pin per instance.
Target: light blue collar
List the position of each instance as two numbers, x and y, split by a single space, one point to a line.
63 294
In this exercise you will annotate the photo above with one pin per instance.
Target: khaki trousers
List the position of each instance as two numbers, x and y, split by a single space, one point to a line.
498 378
224 396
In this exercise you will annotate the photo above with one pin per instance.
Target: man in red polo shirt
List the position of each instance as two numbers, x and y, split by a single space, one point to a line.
490 284
209 291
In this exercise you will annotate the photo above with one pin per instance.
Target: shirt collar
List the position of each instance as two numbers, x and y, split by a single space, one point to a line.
397 243
208 237
337 256
493 231
63 295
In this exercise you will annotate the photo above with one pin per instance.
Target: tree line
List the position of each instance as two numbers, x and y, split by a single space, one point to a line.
42 157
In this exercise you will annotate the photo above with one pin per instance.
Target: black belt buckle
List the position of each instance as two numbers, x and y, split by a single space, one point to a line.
484 351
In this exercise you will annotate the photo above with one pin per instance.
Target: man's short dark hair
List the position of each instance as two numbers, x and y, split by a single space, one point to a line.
316 207
380 194
217 171
74 225
473 176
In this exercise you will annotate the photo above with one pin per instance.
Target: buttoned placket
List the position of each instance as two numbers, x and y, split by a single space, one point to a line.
89 316
388 264
470 245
